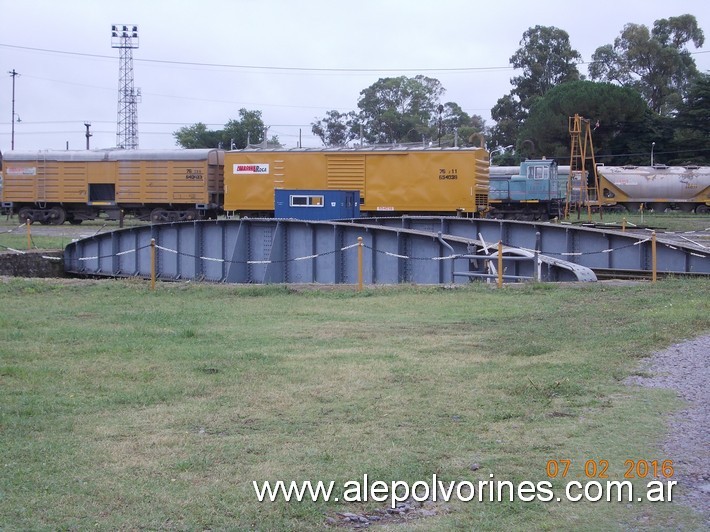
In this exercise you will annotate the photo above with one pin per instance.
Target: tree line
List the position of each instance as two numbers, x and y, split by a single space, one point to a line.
643 88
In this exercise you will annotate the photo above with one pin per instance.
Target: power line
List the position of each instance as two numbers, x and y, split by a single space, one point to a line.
146 123
195 99
268 68
287 69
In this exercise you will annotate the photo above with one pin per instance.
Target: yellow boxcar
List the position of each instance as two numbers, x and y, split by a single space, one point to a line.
51 187
390 180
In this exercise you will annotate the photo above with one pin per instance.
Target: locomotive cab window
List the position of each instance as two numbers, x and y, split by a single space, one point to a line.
306 201
538 172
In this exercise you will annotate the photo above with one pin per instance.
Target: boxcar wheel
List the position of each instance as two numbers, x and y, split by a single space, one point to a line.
192 214
57 216
702 209
159 216
25 215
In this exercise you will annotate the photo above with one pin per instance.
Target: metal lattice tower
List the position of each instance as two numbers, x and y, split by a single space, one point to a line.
125 38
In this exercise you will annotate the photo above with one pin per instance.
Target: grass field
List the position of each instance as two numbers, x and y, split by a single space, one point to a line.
10 242
122 408
13 237
672 221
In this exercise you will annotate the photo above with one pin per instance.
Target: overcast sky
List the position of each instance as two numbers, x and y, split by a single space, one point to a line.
201 61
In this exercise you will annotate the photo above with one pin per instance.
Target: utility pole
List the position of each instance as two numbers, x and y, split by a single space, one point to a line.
14 75
441 110
88 134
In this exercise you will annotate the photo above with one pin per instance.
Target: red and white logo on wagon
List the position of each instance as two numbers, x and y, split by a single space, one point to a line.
240 168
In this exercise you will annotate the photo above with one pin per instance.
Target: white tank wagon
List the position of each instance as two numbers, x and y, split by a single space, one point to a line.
658 187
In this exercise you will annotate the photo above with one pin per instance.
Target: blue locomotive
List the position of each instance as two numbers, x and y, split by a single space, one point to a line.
535 192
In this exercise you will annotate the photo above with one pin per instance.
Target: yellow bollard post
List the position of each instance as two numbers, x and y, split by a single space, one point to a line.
653 257
359 264
623 224
152 263
29 233
500 263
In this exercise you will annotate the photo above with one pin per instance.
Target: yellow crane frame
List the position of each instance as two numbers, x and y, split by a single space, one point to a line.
582 149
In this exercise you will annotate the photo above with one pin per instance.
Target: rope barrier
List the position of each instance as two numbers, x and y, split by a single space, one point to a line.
15 250
407 257
393 254
126 252
167 249
15 229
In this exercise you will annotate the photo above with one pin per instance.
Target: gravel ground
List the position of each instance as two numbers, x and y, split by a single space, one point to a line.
66 230
685 368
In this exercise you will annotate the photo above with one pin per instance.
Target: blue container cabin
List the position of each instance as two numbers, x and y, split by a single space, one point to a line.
317 204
